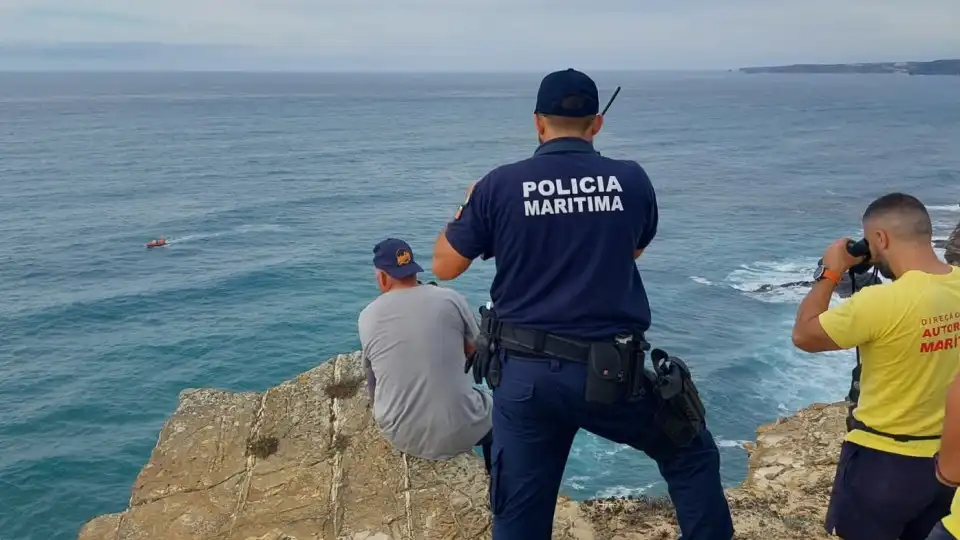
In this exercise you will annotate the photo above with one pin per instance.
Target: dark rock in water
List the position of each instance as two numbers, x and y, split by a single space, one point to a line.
940 244
774 286
845 289
952 248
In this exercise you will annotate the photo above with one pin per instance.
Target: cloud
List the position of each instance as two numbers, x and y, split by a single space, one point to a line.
509 34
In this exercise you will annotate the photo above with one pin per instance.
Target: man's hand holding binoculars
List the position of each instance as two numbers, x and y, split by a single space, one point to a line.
838 256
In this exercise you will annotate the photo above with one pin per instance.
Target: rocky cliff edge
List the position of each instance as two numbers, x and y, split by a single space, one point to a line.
304 460
952 247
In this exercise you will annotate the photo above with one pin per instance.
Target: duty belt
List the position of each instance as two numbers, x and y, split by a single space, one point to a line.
537 342
615 372
543 344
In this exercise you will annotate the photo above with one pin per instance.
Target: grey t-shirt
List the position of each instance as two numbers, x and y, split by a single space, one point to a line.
423 402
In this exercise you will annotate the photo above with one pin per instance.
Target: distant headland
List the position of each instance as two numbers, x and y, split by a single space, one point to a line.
935 67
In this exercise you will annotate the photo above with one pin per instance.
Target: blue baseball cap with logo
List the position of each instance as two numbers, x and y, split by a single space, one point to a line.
568 93
395 257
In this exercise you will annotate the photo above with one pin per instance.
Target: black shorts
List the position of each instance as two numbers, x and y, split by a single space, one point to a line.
883 496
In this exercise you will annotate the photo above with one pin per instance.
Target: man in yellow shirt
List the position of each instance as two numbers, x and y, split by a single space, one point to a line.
908 334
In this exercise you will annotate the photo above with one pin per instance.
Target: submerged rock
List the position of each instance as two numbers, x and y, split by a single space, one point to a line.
952 248
305 460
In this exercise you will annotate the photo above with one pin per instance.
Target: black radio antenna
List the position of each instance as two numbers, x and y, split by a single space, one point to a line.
609 103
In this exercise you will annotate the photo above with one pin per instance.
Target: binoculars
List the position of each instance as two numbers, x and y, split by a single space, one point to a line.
859 249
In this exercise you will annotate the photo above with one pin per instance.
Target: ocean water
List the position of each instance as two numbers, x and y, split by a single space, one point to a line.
273 189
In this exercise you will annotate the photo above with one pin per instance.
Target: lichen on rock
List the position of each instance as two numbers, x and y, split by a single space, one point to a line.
305 460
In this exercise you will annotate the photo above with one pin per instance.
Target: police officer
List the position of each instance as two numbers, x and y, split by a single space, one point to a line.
565 227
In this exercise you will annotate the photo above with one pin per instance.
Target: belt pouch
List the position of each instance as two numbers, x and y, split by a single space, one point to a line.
604 374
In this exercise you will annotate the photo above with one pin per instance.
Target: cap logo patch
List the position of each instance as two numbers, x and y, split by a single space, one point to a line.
403 257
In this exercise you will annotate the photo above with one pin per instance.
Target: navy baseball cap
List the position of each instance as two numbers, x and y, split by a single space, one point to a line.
395 257
568 93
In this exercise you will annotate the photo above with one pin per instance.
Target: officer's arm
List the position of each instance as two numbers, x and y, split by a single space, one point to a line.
650 219
465 238
948 461
856 321
448 263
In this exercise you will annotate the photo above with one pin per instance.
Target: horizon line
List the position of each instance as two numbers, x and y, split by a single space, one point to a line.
354 71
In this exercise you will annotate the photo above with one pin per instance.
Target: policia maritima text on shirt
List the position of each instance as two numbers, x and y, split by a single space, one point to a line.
564 227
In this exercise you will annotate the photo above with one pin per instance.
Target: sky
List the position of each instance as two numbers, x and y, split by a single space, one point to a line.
471 35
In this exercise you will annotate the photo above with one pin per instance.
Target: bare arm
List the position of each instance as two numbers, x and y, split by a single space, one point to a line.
447 262
853 323
808 333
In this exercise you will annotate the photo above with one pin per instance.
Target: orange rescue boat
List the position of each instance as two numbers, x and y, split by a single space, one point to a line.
159 242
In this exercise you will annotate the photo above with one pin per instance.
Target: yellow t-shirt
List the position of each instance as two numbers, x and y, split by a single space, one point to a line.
952 522
908 332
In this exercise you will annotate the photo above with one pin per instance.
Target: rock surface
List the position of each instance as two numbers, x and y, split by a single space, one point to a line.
952 249
304 460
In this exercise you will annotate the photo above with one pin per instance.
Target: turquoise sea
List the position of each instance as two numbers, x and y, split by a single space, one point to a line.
273 189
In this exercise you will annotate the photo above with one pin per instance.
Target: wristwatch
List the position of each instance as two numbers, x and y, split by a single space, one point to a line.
825 273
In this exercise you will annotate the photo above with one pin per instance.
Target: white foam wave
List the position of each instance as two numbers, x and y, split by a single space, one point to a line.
943 226
749 278
576 482
944 208
701 280
724 443
624 491
190 237
796 379
243 229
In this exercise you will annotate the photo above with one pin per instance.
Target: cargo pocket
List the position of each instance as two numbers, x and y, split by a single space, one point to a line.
847 469
513 403
496 496
514 391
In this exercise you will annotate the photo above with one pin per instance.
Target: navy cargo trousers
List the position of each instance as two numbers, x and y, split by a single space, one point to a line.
538 408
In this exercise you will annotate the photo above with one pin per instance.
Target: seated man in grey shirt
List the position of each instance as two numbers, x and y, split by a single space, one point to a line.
415 339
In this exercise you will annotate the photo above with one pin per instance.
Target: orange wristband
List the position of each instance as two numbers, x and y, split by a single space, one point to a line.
832 276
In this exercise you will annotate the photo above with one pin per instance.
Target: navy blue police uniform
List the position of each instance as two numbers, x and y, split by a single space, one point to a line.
562 227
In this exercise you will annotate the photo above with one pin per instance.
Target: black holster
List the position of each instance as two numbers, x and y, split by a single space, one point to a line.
615 370
680 412
485 360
